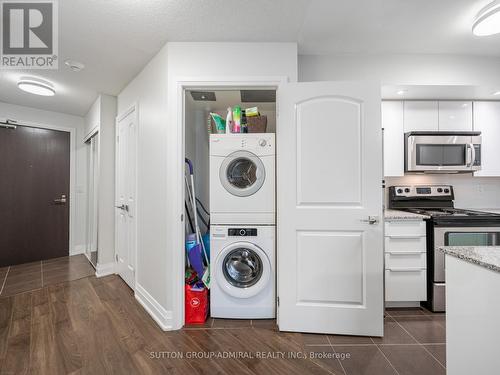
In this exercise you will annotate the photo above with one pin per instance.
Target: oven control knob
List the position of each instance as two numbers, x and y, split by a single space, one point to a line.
446 191
407 190
262 142
440 190
400 191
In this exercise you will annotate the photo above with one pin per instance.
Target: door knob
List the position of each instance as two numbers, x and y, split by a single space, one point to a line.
371 220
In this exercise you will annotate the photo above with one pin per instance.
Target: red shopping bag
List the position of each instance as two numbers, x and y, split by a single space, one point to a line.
196 309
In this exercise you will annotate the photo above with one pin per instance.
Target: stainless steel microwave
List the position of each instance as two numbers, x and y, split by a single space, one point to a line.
442 152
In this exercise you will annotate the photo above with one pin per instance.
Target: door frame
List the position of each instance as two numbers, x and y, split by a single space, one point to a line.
72 246
177 134
133 108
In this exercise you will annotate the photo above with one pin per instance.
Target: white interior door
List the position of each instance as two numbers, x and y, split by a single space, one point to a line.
329 184
125 197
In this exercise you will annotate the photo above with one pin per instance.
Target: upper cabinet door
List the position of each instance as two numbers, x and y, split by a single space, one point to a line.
330 235
455 116
392 123
487 121
421 116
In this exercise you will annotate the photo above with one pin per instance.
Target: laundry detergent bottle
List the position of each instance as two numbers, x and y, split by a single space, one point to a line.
237 119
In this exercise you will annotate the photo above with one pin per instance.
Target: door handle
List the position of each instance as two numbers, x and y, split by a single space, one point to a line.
372 220
61 200
123 207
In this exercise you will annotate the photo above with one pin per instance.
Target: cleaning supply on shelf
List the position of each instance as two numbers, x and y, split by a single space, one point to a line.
220 123
244 125
229 120
236 119
252 112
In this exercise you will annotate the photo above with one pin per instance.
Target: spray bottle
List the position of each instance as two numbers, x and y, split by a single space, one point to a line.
229 120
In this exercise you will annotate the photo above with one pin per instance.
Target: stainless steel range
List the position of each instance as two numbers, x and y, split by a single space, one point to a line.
447 226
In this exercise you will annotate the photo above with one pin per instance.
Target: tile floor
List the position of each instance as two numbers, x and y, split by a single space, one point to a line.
413 344
31 276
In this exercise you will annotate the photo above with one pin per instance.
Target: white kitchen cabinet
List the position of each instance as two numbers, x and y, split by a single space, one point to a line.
392 123
455 116
487 121
405 261
421 116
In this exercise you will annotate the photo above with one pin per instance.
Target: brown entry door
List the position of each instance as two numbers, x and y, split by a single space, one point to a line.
34 194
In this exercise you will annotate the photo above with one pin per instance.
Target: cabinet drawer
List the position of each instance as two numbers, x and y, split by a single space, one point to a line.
405 284
405 228
405 259
405 243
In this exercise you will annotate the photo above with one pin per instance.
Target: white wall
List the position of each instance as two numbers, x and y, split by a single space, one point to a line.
79 175
149 91
102 116
403 69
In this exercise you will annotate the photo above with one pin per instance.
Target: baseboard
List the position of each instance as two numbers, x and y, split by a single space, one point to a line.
161 316
402 304
78 249
105 269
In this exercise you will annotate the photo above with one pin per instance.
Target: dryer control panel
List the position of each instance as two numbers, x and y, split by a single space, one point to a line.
242 232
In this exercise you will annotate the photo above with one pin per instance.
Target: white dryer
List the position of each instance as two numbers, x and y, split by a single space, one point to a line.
242 265
242 178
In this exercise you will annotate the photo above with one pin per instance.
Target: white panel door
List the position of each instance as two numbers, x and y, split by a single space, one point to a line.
455 116
392 123
125 197
421 116
487 121
329 183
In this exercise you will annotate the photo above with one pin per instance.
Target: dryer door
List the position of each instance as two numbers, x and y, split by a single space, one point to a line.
242 173
242 270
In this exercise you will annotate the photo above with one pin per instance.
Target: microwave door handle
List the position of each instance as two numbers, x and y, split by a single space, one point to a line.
468 155
473 155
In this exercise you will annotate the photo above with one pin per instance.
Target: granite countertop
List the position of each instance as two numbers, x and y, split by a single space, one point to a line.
484 256
402 215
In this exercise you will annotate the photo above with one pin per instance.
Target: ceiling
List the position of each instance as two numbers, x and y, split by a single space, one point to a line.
116 38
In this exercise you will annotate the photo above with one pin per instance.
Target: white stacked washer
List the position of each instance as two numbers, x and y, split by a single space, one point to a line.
242 213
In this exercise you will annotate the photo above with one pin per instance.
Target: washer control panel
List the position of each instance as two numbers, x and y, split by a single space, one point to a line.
242 232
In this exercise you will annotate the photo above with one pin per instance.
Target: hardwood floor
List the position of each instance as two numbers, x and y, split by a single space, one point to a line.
95 326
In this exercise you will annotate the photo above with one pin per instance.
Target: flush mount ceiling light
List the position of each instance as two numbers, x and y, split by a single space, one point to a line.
487 21
74 65
36 86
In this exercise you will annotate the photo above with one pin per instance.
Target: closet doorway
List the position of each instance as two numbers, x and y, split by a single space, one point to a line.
93 198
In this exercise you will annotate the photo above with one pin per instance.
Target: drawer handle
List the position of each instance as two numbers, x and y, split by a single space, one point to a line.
406 269
405 252
407 237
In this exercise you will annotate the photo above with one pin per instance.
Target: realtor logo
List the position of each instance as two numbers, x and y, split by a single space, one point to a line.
29 34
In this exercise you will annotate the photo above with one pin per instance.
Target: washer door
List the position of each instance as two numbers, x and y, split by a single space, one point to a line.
242 270
242 173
